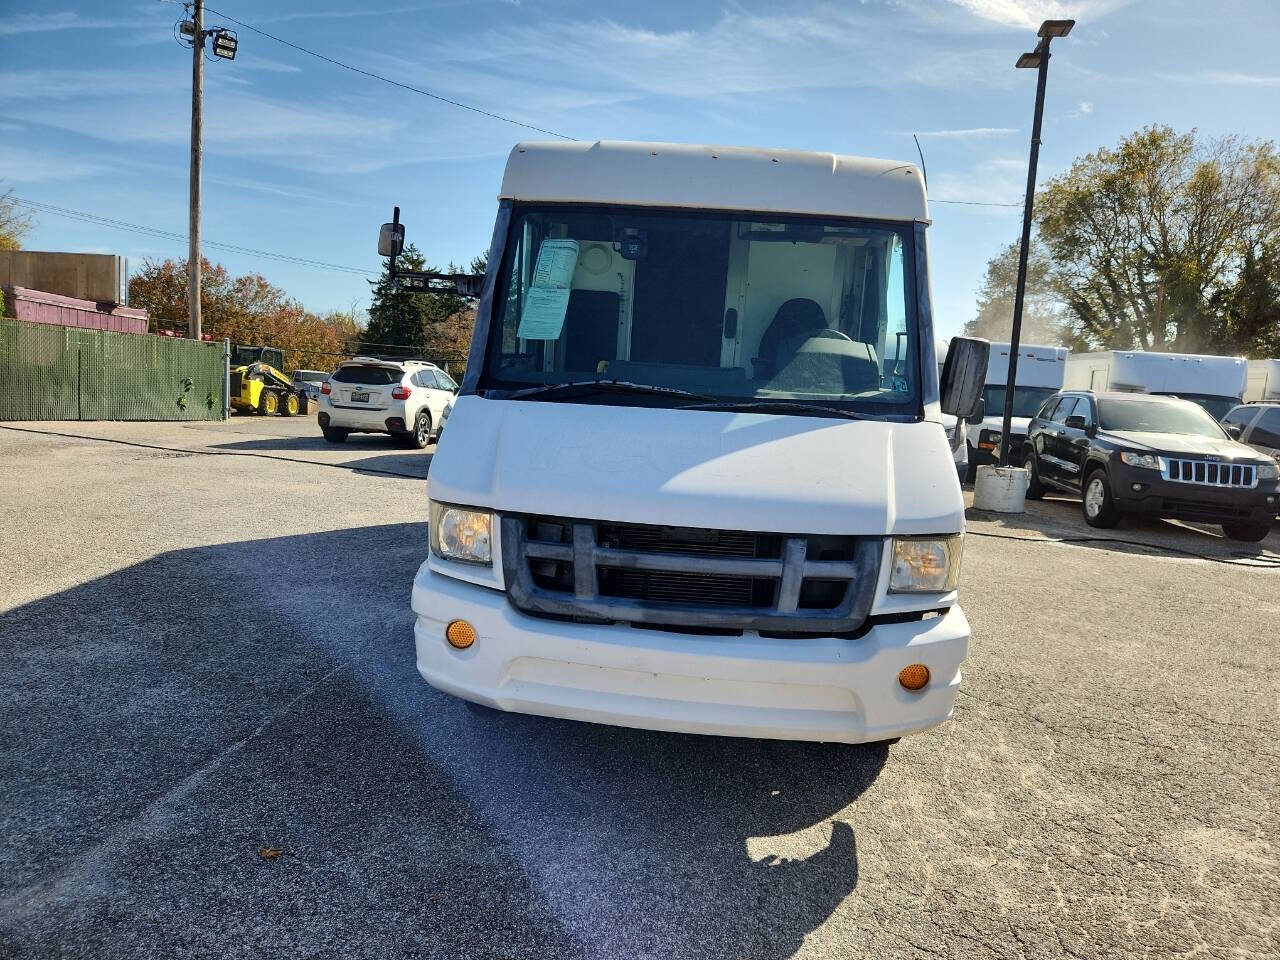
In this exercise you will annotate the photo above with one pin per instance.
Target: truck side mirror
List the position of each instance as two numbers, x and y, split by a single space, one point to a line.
978 416
391 239
1234 430
963 376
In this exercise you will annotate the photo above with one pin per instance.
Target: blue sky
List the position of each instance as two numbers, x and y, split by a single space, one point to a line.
305 159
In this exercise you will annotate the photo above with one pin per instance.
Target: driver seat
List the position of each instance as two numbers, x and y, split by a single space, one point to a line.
796 320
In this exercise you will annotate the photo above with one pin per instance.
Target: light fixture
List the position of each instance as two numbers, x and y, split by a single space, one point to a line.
1029 61
1055 28
225 43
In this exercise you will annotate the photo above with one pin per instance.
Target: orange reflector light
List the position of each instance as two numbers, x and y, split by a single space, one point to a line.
914 676
460 634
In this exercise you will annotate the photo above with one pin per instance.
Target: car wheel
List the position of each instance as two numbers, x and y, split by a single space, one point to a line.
421 435
334 434
1099 508
1035 489
1246 531
268 403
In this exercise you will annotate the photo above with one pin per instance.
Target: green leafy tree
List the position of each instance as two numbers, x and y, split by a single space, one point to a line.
1147 240
1249 310
419 324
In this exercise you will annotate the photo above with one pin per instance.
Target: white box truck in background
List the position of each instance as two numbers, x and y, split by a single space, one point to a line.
696 477
1040 372
1215 383
1262 381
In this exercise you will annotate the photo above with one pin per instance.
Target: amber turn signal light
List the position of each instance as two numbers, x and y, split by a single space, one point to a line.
460 634
914 676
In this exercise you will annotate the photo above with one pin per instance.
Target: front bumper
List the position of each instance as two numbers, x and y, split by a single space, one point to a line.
829 688
1197 502
988 448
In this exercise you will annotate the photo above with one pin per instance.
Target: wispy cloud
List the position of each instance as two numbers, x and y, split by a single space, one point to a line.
1224 78
50 22
1030 13
1081 109
968 133
24 166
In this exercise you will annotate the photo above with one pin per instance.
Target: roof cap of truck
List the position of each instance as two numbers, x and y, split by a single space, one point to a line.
708 177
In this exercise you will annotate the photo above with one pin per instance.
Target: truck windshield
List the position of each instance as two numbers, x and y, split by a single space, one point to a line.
1217 407
1026 400
725 306
1157 416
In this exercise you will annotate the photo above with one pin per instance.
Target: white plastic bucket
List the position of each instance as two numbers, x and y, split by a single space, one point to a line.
1001 489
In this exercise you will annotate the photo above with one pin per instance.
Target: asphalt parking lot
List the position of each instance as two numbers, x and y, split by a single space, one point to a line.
207 657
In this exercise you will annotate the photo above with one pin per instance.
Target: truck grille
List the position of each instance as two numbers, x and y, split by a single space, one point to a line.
1211 473
603 571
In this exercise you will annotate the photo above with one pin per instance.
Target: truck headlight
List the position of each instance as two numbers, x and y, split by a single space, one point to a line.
925 564
1269 471
459 533
1148 461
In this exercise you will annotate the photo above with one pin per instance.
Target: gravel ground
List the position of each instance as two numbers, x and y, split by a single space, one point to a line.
207 655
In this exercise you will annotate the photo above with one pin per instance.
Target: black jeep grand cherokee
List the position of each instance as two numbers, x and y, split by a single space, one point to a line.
1138 453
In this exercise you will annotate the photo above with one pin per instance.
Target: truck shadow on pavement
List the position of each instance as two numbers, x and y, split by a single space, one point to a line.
168 726
1060 518
376 454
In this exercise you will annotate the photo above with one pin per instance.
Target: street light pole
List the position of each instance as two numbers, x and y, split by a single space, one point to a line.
1039 59
197 124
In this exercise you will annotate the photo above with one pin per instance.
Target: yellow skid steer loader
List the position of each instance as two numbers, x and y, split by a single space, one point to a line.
258 386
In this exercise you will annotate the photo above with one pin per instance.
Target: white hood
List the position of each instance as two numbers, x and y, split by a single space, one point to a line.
741 471
1017 425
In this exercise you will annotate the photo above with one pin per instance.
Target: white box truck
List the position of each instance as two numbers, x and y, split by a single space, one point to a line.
1040 372
1215 383
696 477
1262 381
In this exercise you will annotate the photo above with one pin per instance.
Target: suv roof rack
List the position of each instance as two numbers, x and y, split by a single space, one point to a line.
385 358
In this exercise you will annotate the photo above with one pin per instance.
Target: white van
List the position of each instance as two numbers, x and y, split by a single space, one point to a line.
1040 372
1215 383
1262 381
696 477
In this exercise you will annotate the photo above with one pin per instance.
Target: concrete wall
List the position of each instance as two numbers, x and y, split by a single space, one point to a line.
36 306
100 277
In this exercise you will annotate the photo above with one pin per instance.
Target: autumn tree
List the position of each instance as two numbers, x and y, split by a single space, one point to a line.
1164 241
15 221
246 309
1042 314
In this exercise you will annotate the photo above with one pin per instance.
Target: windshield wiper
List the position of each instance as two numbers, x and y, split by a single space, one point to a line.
783 406
587 387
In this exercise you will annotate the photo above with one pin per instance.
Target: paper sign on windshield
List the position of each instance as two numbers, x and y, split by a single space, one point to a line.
548 298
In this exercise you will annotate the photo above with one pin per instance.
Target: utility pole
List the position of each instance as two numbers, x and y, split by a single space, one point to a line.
1039 61
197 123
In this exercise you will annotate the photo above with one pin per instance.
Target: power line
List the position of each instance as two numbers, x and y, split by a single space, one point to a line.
181 237
384 79
976 203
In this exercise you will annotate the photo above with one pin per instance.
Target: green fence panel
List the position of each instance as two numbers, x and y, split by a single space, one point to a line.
50 372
